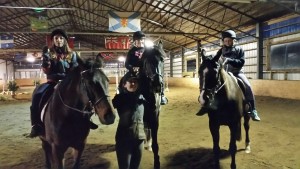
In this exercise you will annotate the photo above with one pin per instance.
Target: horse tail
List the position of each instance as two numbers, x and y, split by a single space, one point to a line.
239 131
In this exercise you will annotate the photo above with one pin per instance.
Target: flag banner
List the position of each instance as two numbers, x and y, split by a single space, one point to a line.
107 56
38 20
124 21
6 41
120 42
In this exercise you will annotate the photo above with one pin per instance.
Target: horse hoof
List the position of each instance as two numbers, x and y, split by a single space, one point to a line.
248 149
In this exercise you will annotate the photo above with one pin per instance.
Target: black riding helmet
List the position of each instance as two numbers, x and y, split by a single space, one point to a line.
59 32
138 35
129 76
228 34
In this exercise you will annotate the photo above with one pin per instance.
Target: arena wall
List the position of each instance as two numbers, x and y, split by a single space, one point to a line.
274 88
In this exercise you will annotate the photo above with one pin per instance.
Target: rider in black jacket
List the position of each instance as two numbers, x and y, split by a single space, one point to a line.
233 59
133 60
57 62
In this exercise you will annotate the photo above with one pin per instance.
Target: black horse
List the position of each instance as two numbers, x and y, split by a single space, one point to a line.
152 84
66 122
226 105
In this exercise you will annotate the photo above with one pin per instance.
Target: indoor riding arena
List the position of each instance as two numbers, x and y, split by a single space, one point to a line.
268 32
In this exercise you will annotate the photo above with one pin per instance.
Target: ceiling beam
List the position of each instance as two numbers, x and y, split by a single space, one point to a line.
108 33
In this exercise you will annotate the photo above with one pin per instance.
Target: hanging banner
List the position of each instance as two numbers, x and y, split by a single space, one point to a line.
120 42
6 41
124 21
107 56
38 20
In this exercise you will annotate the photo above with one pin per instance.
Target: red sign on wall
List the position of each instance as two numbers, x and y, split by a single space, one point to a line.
120 42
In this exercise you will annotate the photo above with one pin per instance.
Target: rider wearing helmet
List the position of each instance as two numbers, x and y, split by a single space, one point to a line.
133 60
233 58
56 63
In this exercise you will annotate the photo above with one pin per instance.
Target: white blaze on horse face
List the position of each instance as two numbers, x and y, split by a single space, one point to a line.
202 101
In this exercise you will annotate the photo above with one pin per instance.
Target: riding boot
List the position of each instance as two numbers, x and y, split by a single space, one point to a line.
37 128
164 100
254 114
202 111
93 126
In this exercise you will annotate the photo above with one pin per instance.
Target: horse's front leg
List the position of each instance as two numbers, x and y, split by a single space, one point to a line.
77 153
232 144
48 154
155 147
58 156
247 127
214 130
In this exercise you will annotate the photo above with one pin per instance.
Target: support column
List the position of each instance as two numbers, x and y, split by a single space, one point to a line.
259 35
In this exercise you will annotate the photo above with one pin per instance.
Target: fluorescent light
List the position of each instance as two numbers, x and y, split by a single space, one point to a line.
189 52
121 59
30 59
149 43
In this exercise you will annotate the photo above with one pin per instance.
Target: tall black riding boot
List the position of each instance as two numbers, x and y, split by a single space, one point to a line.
37 128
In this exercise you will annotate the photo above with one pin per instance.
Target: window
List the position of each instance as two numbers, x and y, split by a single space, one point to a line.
191 65
285 56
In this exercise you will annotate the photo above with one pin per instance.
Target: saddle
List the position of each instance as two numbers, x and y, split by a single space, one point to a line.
239 82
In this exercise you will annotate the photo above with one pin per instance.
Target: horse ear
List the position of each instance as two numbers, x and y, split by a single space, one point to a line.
160 44
203 54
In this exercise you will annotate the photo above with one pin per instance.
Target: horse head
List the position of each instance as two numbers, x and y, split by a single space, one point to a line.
153 62
209 72
96 84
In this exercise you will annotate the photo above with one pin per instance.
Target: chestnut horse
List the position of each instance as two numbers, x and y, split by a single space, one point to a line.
152 83
66 122
226 105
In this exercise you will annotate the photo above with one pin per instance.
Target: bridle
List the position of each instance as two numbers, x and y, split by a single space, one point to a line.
88 94
213 91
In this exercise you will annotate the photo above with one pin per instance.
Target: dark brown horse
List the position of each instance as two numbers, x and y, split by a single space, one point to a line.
152 85
226 105
66 122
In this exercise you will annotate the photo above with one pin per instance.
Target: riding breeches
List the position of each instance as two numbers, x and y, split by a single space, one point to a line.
129 153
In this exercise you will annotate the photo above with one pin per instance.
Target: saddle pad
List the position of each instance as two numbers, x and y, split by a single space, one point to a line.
43 112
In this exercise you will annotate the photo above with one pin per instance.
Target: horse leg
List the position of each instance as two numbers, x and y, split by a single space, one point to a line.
232 144
155 148
48 154
214 130
58 155
77 153
247 127
148 140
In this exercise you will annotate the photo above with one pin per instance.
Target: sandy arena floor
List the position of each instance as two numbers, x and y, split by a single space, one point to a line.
184 139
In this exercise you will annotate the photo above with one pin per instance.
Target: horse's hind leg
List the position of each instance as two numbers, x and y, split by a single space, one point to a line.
148 140
247 127
48 154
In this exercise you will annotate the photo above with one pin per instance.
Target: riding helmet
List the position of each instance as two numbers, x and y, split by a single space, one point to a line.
138 35
59 32
228 34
